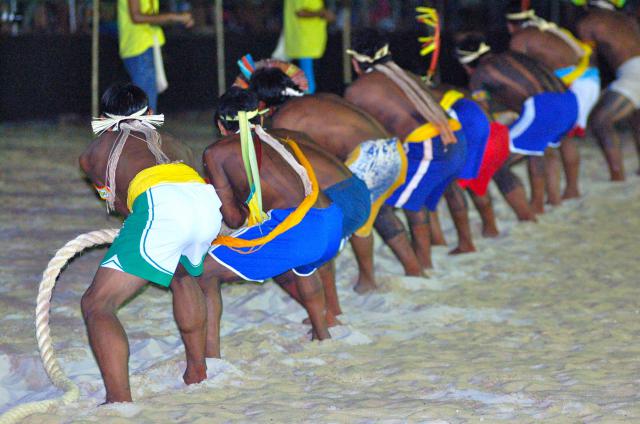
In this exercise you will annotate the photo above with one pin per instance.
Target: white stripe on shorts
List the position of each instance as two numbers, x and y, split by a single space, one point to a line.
417 177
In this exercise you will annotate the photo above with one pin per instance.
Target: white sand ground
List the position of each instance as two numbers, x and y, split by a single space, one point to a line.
541 324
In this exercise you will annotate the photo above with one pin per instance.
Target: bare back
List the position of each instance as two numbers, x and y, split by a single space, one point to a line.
328 168
615 35
386 102
333 123
511 78
135 157
281 186
545 47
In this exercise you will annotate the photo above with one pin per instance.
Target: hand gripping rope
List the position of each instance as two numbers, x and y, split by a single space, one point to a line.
43 333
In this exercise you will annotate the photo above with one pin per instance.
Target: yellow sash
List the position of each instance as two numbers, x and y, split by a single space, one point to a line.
583 65
429 131
160 174
450 98
290 221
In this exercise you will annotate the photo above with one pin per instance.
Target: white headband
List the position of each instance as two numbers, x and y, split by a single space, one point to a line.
602 4
100 125
466 57
363 58
521 16
291 92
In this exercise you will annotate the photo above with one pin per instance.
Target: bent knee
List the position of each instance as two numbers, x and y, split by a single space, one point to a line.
91 303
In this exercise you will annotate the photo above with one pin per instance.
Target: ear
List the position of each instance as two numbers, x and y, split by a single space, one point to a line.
356 66
222 129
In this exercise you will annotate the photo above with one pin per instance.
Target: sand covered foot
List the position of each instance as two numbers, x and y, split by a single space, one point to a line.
363 287
490 232
463 249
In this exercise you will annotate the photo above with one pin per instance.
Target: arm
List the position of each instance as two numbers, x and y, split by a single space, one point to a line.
138 17
478 92
584 34
233 211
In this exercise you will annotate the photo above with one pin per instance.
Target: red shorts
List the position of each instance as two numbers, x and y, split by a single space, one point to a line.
495 155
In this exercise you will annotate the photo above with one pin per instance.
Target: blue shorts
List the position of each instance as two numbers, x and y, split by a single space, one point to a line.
354 200
303 248
475 125
544 120
430 170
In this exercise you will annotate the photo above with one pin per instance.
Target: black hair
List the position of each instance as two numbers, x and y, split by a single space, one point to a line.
233 101
123 99
367 42
269 85
470 43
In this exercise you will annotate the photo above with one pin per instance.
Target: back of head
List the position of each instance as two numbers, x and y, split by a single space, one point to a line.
123 99
233 101
470 49
369 47
273 87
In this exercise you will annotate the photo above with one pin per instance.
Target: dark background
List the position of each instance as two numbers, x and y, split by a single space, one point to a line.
44 76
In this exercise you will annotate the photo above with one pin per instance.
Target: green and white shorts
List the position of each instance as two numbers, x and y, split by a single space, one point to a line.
170 223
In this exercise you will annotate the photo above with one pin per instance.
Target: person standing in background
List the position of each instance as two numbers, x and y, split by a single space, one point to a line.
141 39
305 33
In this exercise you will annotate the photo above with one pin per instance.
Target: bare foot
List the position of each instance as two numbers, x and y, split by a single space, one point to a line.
438 240
570 194
195 375
363 287
537 209
462 249
332 321
553 201
490 231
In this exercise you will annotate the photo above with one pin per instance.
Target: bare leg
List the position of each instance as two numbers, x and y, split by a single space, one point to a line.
537 181
459 211
485 209
108 291
571 164
394 235
552 176
327 274
363 250
190 312
635 126
420 237
437 235
610 109
311 296
214 274
513 191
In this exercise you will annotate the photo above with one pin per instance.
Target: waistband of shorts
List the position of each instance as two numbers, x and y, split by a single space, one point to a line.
160 174
429 131
352 181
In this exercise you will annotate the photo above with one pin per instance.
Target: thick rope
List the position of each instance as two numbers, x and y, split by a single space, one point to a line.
43 333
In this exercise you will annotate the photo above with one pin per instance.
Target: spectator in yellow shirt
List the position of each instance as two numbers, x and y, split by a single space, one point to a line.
139 33
305 32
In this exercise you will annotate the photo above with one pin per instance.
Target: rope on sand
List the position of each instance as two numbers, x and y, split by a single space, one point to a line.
43 333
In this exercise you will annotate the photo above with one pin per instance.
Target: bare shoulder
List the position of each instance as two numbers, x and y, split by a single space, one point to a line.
520 40
222 150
